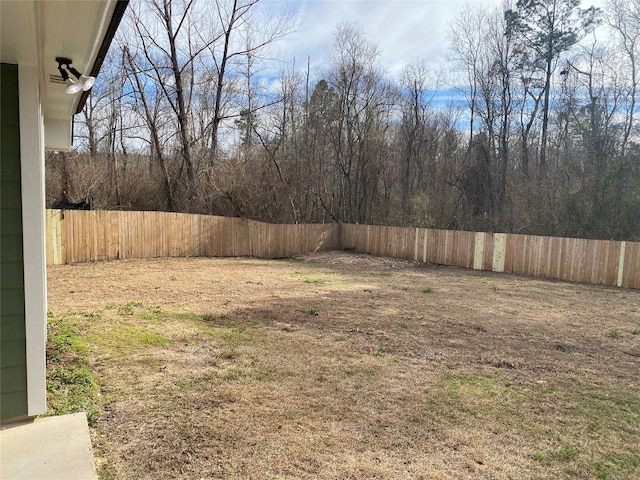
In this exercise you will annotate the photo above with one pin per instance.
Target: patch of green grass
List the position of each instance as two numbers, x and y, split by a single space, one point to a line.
231 374
313 280
128 309
636 331
614 334
71 385
427 290
616 465
483 394
604 409
230 335
63 338
153 315
139 336
542 458
566 453
312 311
125 336
381 351
589 415
478 385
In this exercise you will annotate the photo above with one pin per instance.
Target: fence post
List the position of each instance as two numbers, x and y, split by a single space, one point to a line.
499 251
621 264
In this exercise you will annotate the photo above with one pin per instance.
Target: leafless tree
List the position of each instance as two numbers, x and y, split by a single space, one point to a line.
364 105
624 18
240 35
165 30
149 105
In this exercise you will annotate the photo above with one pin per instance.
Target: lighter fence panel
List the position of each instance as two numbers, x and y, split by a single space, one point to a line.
478 252
54 237
499 251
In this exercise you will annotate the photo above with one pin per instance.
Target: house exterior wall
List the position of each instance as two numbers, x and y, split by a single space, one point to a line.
23 301
13 360
33 33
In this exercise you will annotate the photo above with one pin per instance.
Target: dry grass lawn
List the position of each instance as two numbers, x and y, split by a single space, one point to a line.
345 366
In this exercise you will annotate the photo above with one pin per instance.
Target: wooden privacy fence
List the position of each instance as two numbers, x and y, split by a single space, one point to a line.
83 236
75 236
601 262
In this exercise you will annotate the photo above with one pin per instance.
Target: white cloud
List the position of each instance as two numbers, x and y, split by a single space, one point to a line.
404 30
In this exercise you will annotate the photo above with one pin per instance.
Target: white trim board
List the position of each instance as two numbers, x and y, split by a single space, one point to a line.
33 235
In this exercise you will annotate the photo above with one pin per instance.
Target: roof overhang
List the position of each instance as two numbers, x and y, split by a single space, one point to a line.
35 32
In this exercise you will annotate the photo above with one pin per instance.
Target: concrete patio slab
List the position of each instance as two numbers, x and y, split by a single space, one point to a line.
49 448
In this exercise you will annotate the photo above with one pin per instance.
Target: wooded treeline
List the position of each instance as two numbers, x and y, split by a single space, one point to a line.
541 134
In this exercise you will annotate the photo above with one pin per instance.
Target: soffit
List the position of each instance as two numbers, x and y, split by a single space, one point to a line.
36 32
75 30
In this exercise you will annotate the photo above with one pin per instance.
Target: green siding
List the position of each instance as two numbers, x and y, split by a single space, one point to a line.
13 369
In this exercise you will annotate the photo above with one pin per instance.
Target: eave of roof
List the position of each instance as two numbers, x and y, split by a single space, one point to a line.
118 13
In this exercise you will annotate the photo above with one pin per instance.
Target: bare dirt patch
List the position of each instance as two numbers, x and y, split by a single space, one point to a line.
338 365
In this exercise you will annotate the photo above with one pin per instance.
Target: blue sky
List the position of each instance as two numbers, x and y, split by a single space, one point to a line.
404 30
